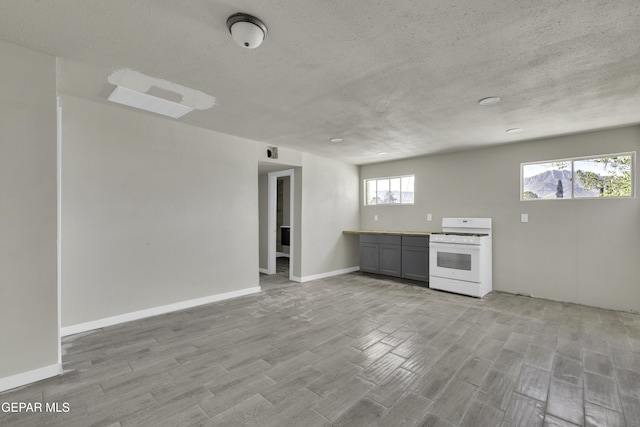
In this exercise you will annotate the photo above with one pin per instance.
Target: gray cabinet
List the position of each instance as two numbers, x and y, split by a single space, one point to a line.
415 258
369 257
390 260
395 255
381 254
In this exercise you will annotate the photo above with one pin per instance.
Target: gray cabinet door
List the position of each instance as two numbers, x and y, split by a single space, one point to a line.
415 263
415 258
391 260
369 255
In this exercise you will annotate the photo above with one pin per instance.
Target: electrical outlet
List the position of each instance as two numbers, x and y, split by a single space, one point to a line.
524 217
429 217
375 217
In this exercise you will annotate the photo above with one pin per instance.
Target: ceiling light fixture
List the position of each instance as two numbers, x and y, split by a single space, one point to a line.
382 153
131 98
246 30
489 101
514 130
336 140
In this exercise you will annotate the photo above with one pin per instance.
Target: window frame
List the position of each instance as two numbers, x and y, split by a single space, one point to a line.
388 178
571 161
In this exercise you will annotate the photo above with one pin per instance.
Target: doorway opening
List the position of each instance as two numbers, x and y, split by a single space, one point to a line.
280 222
277 220
283 225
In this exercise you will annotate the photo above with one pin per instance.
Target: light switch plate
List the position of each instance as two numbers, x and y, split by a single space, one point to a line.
375 217
429 217
524 217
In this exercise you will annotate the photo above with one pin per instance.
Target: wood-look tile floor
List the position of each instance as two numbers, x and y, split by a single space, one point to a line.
352 350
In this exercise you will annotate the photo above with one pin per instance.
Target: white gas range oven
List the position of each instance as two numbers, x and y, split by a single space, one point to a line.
460 257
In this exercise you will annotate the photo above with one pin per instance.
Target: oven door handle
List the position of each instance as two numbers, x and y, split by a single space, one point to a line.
444 245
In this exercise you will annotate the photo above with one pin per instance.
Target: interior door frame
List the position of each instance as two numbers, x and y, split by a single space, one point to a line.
59 221
272 225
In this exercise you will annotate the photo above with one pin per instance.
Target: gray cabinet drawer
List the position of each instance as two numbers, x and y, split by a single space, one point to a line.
419 241
368 238
390 240
382 239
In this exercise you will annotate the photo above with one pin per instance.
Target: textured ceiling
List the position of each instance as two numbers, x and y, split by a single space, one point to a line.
401 77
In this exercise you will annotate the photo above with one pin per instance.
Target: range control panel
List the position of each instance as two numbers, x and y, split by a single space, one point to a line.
456 239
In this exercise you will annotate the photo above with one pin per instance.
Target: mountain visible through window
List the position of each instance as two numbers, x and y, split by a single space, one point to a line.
585 177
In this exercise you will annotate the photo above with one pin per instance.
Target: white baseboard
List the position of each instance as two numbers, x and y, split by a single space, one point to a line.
325 275
110 321
264 270
24 378
282 255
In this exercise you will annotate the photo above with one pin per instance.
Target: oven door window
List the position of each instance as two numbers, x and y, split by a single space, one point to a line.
455 261
461 262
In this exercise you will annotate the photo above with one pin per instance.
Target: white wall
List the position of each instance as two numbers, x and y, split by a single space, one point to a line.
154 212
583 251
330 205
28 213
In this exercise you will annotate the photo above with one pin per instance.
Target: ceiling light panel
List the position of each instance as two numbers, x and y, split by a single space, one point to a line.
142 101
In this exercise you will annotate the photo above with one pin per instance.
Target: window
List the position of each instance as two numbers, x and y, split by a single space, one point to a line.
610 175
396 190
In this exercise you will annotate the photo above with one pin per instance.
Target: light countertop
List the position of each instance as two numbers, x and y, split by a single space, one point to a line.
390 233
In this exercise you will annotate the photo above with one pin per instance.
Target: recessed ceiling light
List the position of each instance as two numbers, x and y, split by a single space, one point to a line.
336 140
489 101
514 130
131 98
382 153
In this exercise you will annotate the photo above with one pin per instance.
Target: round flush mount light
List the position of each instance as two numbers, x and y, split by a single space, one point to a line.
246 30
382 153
490 100
336 140
514 130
